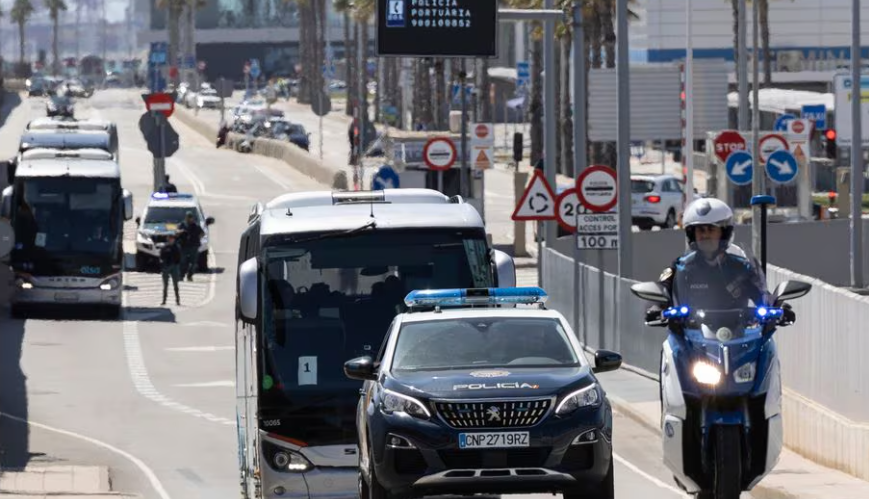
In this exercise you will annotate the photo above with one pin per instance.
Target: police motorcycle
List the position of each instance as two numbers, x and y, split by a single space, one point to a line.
720 388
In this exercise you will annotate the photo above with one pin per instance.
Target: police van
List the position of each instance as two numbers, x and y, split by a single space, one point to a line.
163 215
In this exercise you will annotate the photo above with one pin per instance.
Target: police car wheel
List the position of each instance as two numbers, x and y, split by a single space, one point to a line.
604 490
141 262
17 312
202 262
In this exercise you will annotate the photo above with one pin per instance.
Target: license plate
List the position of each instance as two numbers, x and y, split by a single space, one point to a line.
493 440
66 296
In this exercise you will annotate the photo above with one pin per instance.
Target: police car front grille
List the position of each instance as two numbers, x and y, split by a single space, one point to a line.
159 239
499 414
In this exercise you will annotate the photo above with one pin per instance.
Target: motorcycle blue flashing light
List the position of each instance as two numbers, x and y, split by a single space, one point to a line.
682 311
160 195
475 296
170 195
767 313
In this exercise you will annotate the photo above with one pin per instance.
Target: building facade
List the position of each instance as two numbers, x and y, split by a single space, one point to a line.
805 35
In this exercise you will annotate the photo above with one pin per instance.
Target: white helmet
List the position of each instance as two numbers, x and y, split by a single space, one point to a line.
709 211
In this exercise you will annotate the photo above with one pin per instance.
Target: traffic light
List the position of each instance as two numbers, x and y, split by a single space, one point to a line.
518 144
830 139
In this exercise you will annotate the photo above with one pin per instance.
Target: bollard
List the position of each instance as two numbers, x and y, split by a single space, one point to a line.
520 248
339 183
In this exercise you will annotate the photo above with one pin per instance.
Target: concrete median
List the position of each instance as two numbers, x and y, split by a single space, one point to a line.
289 153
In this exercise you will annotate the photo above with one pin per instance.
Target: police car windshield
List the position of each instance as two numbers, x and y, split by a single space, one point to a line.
169 214
468 343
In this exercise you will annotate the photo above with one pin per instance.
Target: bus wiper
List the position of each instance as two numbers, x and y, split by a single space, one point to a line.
358 230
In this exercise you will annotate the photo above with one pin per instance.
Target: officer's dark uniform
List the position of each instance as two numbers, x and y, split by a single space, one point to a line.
727 282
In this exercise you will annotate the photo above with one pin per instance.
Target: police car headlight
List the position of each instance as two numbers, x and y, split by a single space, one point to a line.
23 283
587 397
745 374
142 238
392 402
706 373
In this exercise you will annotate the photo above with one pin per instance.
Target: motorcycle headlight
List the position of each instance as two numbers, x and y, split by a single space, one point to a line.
287 460
587 397
706 373
745 374
393 402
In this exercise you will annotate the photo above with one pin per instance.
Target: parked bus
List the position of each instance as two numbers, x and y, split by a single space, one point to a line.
68 211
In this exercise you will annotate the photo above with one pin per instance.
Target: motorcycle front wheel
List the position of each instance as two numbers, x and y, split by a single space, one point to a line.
727 483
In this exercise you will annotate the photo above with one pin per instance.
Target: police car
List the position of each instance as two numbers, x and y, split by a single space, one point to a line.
469 397
163 215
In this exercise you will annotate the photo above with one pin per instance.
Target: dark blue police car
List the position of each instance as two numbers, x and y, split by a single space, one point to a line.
468 396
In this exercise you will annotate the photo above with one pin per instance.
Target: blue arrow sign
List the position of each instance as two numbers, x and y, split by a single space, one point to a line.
781 124
739 167
781 166
816 113
254 68
385 178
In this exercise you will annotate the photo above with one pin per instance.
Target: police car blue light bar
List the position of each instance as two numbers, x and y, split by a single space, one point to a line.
475 296
682 311
170 195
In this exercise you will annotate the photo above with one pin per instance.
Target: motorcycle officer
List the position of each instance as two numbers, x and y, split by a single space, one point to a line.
715 273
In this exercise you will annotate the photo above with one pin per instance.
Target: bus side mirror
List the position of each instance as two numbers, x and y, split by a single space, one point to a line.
248 284
128 205
6 206
505 269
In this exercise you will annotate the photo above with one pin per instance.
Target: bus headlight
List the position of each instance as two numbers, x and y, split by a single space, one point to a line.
287 460
110 284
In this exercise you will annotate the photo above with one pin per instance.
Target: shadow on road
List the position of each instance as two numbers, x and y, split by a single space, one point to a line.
14 435
11 100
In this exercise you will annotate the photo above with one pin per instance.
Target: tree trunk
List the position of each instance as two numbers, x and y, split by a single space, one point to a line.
441 108
734 4
54 32
763 21
349 58
596 60
173 20
566 128
353 85
485 95
21 43
363 70
536 107
559 106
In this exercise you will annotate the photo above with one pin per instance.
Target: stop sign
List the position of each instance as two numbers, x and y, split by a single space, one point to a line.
160 102
728 142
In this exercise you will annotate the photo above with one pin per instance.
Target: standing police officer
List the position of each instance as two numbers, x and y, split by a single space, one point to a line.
191 234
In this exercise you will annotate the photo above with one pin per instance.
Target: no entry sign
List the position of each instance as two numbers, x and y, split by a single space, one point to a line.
597 189
439 153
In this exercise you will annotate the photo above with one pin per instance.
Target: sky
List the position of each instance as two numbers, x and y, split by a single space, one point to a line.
115 9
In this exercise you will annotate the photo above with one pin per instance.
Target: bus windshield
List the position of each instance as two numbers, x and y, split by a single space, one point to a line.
67 218
329 300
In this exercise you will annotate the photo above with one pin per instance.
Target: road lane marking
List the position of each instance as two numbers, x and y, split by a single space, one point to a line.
148 472
208 384
141 379
199 349
659 483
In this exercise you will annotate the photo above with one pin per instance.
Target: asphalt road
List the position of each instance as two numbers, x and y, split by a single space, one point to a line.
151 395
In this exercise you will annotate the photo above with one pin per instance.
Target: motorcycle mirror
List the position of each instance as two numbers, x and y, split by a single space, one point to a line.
790 290
651 291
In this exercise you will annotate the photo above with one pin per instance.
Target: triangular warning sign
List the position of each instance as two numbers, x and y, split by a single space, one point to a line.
538 200
799 154
482 160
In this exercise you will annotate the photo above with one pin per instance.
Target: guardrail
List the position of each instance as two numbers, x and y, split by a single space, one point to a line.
824 372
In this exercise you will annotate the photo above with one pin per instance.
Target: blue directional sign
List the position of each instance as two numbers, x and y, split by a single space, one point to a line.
523 74
816 113
385 178
158 59
781 166
254 68
739 167
781 124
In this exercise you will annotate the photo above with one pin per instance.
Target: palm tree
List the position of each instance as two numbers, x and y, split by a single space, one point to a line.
345 7
174 8
54 9
20 14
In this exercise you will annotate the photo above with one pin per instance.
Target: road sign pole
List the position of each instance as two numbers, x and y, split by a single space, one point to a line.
320 125
758 177
550 123
441 181
463 187
580 146
857 165
623 176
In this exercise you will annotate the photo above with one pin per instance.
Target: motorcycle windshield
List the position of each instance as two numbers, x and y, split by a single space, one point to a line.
724 326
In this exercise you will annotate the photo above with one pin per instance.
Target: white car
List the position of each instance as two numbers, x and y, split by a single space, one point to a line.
162 216
208 99
656 200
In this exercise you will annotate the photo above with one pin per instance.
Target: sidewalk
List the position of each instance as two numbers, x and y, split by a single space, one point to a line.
795 477
57 482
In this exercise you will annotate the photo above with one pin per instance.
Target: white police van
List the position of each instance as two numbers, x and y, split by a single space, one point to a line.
163 215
